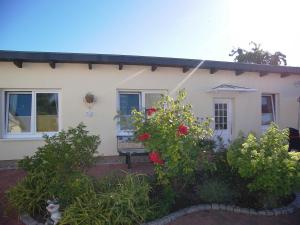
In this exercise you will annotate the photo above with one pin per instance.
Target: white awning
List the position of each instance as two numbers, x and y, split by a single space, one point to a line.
231 88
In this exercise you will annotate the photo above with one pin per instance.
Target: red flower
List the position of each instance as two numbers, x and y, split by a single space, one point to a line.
144 137
150 111
182 130
155 158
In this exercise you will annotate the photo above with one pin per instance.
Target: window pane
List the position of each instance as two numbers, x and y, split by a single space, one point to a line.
46 112
128 102
267 110
151 99
19 113
221 116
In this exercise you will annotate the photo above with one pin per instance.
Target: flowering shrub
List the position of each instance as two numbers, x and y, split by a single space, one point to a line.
266 163
170 132
144 137
183 130
150 111
155 158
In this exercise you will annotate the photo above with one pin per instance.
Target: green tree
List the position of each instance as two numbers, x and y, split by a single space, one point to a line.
258 56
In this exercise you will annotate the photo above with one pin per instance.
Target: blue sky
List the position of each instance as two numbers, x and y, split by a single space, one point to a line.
199 29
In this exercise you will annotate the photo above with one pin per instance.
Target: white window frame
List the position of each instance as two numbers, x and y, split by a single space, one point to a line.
274 103
33 133
142 94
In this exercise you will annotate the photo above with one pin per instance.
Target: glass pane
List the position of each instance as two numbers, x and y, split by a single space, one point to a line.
46 112
128 102
151 99
267 110
19 113
266 105
126 123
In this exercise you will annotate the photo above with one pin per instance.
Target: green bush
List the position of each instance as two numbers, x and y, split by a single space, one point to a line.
267 164
31 194
215 191
163 199
71 150
55 171
172 132
126 203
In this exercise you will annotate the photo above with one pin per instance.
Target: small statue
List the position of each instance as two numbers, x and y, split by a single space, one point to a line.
53 209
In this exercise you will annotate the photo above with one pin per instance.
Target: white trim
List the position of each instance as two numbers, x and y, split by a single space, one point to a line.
229 129
33 134
232 90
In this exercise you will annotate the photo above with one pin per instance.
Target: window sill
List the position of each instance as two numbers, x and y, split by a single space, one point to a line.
21 139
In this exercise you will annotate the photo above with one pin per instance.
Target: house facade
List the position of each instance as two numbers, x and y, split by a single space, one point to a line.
45 92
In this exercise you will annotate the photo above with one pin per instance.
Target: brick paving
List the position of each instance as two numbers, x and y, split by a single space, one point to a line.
9 178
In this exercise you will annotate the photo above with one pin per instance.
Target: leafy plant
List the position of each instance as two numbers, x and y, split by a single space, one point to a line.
215 191
30 195
126 203
55 171
267 164
170 132
71 150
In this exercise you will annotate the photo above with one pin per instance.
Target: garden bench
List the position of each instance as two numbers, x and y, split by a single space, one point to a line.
127 146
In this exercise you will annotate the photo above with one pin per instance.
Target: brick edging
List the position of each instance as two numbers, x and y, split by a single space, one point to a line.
28 220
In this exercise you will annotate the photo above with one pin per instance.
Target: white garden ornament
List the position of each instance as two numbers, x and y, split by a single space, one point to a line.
53 209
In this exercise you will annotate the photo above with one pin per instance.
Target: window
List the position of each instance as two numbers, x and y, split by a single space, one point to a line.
128 102
31 113
133 100
221 116
268 109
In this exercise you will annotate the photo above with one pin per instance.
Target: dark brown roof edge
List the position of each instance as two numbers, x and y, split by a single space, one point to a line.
18 57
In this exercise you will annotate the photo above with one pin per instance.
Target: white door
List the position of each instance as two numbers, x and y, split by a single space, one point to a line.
223 119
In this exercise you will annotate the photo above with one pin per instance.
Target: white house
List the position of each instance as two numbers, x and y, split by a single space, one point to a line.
42 92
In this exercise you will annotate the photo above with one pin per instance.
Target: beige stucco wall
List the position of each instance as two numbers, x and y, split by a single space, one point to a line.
75 80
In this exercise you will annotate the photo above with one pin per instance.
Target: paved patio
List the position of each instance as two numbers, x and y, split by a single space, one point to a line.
9 178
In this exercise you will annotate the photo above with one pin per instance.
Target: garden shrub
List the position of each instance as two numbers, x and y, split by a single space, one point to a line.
71 150
55 171
108 182
267 164
30 195
215 191
170 132
126 203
